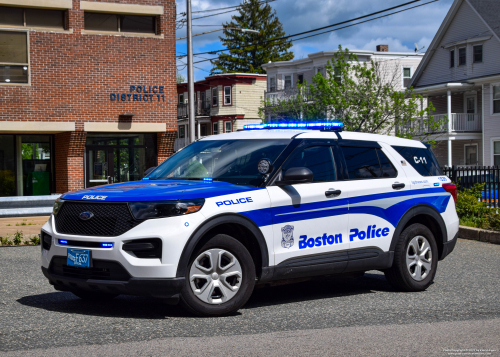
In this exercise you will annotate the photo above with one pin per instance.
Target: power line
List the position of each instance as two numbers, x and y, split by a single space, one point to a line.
298 34
236 7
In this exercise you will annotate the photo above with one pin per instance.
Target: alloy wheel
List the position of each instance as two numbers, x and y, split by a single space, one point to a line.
419 258
215 276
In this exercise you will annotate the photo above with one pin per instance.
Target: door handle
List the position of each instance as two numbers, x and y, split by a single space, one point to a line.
332 193
398 186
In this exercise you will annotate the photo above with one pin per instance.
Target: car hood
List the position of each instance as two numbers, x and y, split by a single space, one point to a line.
157 191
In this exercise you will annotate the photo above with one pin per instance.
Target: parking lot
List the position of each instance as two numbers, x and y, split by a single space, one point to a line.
323 316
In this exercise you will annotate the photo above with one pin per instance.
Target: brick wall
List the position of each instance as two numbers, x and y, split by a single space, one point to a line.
73 74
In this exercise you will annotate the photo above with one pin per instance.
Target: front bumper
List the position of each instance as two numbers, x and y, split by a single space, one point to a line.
153 287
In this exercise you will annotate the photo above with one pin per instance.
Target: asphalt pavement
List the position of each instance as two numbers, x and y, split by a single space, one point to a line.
458 315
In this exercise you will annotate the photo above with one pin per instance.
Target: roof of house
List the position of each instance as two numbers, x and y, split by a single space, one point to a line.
487 10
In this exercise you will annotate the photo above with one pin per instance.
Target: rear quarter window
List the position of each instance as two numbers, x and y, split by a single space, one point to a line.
422 160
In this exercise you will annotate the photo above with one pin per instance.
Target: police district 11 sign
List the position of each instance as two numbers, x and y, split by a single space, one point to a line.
147 94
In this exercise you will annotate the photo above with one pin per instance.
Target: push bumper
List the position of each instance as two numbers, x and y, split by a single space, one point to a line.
153 287
448 247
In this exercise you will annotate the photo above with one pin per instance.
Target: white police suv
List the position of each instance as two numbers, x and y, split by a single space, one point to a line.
275 201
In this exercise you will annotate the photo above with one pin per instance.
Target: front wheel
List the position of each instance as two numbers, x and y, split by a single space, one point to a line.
221 278
415 259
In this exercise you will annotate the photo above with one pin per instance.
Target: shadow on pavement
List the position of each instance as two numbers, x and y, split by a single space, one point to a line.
148 308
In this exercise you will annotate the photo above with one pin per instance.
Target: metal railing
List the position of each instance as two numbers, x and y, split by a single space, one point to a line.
460 122
285 94
468 176
201 108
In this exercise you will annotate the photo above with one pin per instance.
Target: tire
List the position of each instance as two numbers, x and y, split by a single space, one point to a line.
220 278
93 295
415 259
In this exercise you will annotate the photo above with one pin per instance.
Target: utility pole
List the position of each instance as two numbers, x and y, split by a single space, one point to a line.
190 74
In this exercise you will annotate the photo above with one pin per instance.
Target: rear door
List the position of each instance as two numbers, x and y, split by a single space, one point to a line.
310 219
379 194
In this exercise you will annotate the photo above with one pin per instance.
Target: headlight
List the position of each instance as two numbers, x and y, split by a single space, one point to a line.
57 206
146 210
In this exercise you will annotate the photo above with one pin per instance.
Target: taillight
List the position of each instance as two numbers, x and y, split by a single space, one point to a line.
451 188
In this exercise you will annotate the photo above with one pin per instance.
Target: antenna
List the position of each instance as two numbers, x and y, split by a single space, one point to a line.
416 47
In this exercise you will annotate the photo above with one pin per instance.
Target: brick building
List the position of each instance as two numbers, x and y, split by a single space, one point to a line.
223 103
87 91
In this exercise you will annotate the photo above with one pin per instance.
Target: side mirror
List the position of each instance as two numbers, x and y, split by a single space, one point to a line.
148 171
296 175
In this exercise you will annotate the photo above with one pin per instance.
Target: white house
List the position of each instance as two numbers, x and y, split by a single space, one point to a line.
460 75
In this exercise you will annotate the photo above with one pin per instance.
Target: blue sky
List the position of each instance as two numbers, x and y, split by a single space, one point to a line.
399 31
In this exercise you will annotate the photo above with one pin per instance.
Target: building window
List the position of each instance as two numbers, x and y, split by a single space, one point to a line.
227 127
182 132
470 103
300 79
496 153
272 84
478 53
15 16
181 98
462 56
471 154
203 130
288 82
119 23
214 131
14 65
214 97
452 58
319 70
496 99
337 74
227 95
406 76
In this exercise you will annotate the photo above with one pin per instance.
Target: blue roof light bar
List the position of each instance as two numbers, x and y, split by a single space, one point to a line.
328 125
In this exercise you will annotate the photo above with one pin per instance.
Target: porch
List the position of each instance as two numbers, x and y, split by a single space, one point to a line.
202 109
457 124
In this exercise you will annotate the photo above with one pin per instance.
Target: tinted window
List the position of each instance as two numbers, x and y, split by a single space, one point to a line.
386 166
318 159
422 160
362 163
142 24
101 22
11 16
44 18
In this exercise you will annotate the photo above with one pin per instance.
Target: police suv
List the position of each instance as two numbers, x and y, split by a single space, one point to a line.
271 202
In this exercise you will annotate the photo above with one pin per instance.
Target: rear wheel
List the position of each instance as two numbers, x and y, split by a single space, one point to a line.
93 295
221 278
415 259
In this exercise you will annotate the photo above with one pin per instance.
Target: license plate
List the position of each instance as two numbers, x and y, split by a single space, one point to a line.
78 258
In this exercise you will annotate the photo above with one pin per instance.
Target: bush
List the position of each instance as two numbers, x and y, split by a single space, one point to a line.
18 237
35 240
6 240
470 208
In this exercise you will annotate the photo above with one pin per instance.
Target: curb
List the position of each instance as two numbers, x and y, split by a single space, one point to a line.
479 234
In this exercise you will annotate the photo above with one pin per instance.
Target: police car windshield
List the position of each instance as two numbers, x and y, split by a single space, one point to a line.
233 161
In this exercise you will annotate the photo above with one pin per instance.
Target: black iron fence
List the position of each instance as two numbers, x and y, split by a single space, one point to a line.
468 176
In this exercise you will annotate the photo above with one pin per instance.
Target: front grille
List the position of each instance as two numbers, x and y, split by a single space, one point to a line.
109 220
100 270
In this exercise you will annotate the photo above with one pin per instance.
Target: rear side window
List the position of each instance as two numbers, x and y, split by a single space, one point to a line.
422 160
318 159
367 163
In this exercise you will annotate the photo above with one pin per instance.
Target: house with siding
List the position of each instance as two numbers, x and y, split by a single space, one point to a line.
283 77
460 75
223 104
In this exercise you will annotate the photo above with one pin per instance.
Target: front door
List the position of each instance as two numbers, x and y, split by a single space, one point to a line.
311 219
100 165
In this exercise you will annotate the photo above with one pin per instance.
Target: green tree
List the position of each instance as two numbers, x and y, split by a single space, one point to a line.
248 51
365 96
180 78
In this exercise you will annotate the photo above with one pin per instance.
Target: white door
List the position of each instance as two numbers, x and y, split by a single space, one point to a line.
310 218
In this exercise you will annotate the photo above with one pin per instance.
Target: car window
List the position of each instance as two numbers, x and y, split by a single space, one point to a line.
367 163
318 159
388 169
422 160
